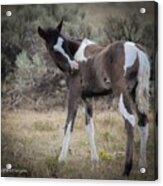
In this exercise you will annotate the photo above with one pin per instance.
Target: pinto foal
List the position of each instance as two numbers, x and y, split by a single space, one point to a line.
121 68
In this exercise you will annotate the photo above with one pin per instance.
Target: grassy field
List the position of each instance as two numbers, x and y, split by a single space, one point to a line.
32 141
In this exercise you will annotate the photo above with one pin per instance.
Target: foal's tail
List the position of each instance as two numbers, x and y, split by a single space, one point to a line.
142 90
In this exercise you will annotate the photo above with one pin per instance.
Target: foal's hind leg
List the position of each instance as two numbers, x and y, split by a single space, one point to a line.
143 128
127 110
90 128
129 148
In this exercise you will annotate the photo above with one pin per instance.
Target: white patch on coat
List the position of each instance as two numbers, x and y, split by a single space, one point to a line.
131 52
58 47
65 145
79 55
90 130
125 113
142 90
143 143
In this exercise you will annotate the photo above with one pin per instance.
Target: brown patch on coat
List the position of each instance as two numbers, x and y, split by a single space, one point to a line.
116 55
133 70
92 50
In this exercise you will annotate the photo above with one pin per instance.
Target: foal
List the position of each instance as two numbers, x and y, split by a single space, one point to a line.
122 68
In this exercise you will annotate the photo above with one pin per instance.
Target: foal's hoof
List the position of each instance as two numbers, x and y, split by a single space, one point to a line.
95 163
61 159
128 167
142 164
95 159
126 173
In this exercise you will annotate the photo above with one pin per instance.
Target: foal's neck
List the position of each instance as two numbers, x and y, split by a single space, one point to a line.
73 46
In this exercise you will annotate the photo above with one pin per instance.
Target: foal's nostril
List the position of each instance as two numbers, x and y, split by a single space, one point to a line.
107 80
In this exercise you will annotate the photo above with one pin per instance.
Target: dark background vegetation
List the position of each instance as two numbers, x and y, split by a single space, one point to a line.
30 78
34 91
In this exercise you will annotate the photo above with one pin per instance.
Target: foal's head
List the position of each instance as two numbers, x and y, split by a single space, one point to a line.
57 45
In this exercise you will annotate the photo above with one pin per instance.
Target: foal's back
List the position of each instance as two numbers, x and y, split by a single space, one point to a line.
111 66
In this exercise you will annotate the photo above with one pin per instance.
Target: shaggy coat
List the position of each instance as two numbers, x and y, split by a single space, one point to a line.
121 68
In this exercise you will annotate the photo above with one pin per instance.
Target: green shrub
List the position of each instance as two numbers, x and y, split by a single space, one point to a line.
130 28
105 156
28 71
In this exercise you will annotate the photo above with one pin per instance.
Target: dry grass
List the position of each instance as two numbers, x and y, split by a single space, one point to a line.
32 141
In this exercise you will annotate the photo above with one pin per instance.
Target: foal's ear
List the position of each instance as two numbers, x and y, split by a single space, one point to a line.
59 27
42 33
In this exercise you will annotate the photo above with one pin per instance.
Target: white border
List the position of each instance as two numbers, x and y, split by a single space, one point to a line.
62 182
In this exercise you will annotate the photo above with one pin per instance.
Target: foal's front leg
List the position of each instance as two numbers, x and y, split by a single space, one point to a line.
72 110
90 129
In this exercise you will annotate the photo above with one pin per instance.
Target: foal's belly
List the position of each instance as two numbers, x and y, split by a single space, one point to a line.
89 93
94 82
